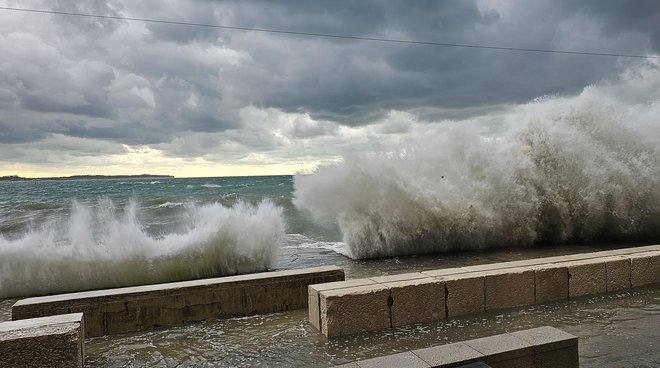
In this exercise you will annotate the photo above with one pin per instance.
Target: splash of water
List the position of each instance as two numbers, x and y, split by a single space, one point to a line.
579 168
102 246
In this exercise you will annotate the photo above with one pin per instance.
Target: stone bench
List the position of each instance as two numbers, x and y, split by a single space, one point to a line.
360 305
54 341
542 347
140 307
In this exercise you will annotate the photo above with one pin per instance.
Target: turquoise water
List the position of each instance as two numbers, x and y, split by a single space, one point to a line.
59 236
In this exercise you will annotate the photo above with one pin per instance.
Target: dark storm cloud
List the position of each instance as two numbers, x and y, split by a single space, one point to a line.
641 16
145 83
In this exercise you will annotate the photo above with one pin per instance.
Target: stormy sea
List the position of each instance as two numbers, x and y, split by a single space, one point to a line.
557 174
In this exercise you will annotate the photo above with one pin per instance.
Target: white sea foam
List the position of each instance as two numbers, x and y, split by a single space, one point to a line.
211 185
102 246
561 169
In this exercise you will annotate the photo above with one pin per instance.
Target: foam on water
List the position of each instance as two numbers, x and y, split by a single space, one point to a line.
101 246
561 169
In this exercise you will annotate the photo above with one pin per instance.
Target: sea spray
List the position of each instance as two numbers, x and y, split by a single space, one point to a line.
101 246
561 169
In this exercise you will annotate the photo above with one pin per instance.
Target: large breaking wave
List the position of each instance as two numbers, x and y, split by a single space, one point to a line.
101 246
561 169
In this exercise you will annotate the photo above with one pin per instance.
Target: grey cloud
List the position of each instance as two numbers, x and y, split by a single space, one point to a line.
145 83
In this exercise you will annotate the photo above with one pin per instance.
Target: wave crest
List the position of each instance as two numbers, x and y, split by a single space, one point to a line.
102 246
563 169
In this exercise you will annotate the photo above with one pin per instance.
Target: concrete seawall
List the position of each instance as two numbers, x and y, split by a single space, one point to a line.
171 304
542 347
55 341
360 305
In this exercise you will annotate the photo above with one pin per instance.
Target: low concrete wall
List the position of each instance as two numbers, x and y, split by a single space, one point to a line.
55 341
543 347
136 308
361 305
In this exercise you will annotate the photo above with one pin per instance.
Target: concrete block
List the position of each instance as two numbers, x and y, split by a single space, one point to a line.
550 283
407 359
522 362
139 307
398 277
465 295
313 305
508 288
450 355
445 272
54 341
348 365
586 277
566 358
645 268
617 273
353 310
504 347
546 338
416 301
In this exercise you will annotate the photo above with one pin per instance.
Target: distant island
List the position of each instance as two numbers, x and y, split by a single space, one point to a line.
86 177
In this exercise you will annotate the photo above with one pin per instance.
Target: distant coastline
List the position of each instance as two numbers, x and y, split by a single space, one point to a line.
86 177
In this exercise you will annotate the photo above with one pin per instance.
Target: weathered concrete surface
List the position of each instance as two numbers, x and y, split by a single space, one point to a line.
474 289
552 347
416 301
54 341
500 348
551 283
355 309
538 347
449 355
586 277
136 308
617 271
314 306
465 295
645 268
407 359
508 288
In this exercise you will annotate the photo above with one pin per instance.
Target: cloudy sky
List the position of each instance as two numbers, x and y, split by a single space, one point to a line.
82 95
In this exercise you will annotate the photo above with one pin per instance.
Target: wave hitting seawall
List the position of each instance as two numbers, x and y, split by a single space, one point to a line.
100 247
561 169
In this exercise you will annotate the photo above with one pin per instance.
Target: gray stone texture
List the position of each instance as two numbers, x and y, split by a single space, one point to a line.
450 355
509 288
551 283
416 301
137 308
55 341
645 269
407 359
617 272
586 277
465 295
356 309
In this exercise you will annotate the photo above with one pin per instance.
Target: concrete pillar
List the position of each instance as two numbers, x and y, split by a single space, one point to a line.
54 341
416 301
356 309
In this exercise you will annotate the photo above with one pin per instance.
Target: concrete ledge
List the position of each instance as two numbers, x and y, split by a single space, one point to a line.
416 301
416 298
137 308
645 268
355 309
537 347
55 341
586 277
465 295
